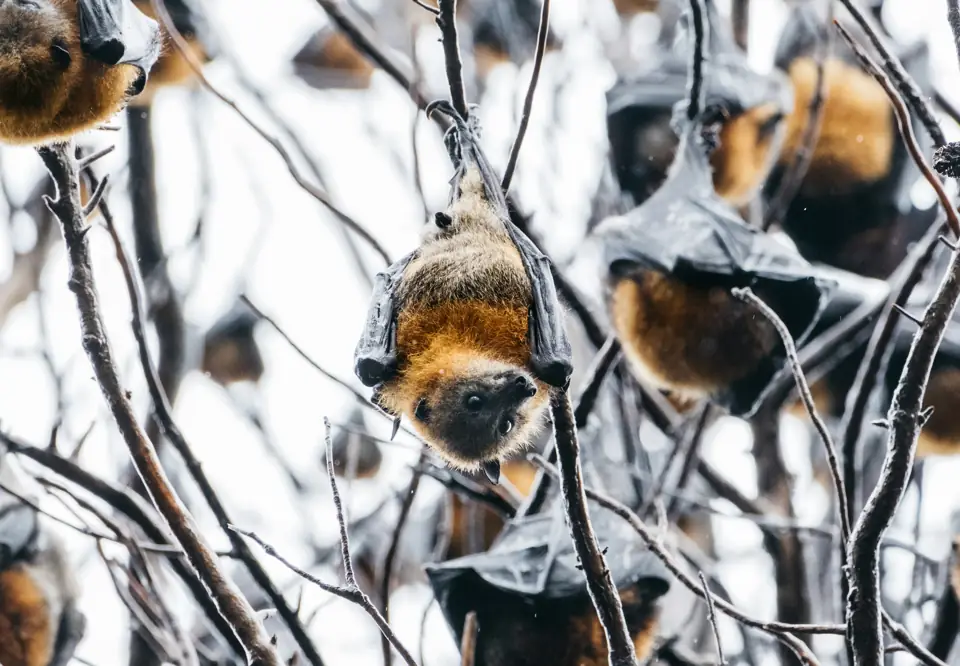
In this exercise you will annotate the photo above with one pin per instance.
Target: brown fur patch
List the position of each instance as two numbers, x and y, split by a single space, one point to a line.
688 339
630 7
941 434
450 341
39 102
856 139
26 634
743 160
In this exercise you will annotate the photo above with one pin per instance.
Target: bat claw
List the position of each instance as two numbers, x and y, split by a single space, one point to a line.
396 428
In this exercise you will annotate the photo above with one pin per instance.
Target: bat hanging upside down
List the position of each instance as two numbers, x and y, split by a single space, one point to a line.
465 335
68 65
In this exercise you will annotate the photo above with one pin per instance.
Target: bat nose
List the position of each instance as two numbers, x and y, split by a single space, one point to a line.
519 386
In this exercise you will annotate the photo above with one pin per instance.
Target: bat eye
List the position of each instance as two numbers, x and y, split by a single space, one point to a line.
60 54
474 402
422 411
505 426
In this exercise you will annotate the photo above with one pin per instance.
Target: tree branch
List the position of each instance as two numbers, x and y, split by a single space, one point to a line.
62 165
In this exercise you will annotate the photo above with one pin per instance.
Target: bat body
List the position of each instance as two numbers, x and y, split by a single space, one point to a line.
230 350
465 335
330 60
172 67
355 454
750 107
852 209
68 65
505 31
669 266
531 600
39 622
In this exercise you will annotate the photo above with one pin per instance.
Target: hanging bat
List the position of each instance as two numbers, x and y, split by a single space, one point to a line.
40 624
669 266
353 442
172 68
749 106
230 350
68 65
531 599
329 60
853 208
465 335
505 31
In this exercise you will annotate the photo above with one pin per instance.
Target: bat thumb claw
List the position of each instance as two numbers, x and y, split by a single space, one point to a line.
396 428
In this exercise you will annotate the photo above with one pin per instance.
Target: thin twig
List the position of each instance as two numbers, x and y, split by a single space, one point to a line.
351 592
796 171
906 127
468 644
911 92
62 165
600 584
447 22
531 90
712 615
318 194
783 632
135 509
164 416
746 295
388 562
700 37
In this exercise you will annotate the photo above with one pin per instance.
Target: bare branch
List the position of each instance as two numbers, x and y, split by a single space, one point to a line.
62 165
531 90
310 188
600 585
447 22
712 615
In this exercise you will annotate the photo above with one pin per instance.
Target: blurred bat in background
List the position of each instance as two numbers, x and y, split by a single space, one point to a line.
669 266
505 31
39 622
330 60
853 208
67 66
465 335
749 107
531 598
172 67
230 350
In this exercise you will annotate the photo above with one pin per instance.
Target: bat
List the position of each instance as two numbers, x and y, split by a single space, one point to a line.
505 31
353 442
750 105
465 335
531 598
172 67
40 624
68 65
669 266
329 60
230 350
853 208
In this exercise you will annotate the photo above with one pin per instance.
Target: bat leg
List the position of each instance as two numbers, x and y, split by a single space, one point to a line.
73 626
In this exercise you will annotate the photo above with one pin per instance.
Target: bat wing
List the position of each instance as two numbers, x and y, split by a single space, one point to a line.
72 627
535 560
19 528
551 356
375 358
116 32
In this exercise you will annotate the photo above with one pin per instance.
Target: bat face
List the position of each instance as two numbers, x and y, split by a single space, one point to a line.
856 142
749 146
688 339
49 88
